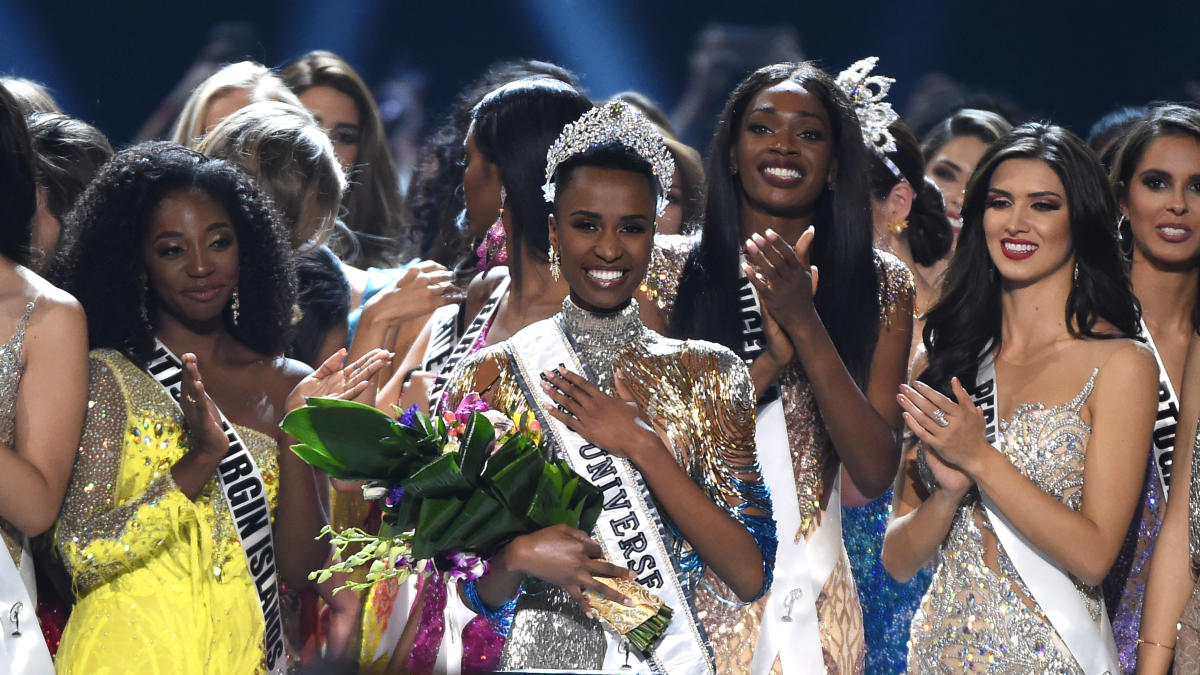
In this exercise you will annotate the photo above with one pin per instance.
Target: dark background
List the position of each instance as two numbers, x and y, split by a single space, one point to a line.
112 63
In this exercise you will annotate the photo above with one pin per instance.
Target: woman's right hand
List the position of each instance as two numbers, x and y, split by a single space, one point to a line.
200 413
569 559
949 477
422 288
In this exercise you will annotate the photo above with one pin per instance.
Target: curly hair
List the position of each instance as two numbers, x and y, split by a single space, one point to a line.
102 262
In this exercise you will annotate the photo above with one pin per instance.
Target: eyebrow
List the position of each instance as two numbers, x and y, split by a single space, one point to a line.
1043 193
345 125
597 216
172 233
1164 172
770 110
949 163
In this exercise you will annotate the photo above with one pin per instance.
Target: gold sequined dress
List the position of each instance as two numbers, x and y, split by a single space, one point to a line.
978 615
701 394
162 582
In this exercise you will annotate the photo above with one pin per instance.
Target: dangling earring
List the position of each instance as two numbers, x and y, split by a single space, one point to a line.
493 250
143 300
1075 272
235 306
555 269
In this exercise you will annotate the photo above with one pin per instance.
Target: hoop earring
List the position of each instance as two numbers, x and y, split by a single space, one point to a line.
235 306
1125 238
555 269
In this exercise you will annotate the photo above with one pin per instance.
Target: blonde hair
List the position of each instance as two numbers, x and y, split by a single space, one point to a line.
288 154
256 78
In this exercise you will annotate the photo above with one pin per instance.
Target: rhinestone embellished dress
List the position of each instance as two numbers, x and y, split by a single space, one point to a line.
1187 649
976 618
702 395
12 367
161 579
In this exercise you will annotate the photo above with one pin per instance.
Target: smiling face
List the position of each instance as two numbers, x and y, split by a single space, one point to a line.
1027 222
783 152
338 116
951 168
190 254
603 228
1163 203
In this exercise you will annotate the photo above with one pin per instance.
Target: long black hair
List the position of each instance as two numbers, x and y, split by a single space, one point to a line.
929 234
514 127
847 297
967 319
101 262
18 189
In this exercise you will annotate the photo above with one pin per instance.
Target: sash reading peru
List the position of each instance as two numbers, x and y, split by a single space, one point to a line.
243 489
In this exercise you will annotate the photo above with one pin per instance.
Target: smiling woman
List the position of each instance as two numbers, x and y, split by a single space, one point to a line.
667 435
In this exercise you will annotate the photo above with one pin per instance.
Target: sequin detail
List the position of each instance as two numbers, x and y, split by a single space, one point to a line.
162 580
1125 586
12 368
975 618
667 260
702 396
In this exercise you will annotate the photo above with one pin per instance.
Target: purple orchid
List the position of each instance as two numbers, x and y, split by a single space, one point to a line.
394 494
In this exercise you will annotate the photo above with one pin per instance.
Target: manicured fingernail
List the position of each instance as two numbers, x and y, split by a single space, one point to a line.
543 376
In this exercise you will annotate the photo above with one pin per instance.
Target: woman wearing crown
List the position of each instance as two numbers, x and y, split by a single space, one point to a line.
664 428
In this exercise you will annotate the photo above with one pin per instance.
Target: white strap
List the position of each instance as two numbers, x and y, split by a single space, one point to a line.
1162 443
1092 646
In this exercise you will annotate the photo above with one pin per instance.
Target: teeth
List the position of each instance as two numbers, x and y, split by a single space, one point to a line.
1020 248
1173 231
780 172
606 275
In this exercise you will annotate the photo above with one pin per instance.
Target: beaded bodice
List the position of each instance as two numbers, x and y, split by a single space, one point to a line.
12 367
979 616
1194 505
599 338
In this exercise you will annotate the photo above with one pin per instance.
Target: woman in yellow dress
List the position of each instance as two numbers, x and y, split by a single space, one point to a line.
182 511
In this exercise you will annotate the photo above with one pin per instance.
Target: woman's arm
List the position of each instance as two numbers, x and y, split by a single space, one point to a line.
921 519
1085 542
862 426
51 400
1170 566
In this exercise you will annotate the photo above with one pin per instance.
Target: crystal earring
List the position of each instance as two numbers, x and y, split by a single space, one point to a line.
1075 272
555 269
235 306
493 250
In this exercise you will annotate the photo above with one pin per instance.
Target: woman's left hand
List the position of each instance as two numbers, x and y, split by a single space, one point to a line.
335 380
955 429
615 424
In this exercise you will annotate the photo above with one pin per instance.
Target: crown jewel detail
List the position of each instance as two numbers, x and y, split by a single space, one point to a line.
867 93
616 123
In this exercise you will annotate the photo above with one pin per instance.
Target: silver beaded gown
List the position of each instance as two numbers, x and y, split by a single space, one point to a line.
12 367
975 617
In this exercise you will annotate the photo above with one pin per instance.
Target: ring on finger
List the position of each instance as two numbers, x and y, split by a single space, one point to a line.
940 417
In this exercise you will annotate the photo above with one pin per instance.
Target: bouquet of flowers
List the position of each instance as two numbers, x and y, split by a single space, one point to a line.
453 489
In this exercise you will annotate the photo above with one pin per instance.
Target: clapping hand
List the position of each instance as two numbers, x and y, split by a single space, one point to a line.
782 275
952 429
335 380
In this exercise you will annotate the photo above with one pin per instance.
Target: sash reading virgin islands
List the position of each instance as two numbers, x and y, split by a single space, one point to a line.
1167 419
1092 645
629 528
439 357
245 495
790 629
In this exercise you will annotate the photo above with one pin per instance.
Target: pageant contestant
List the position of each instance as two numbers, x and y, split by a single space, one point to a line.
505 152
788 168
1025 500
1156 175
183 511
43 390
910 223
690 515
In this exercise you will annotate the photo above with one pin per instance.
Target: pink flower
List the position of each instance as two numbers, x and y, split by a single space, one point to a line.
500 422
471 403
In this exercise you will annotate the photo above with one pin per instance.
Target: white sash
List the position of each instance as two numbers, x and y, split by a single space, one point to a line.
22 648
629 529
246 496
1163 441
436 360
1092 646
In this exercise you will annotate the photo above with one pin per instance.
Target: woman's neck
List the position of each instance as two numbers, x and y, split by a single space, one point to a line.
1034 315
210 343
1168 296
537 292
757 221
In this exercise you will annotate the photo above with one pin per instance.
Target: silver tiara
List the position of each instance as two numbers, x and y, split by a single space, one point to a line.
616 123
875 115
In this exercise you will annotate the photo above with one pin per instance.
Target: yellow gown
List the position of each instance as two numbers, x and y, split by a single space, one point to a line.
161 580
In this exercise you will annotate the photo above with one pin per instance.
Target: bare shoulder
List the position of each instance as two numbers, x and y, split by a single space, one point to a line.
481 288
1126 365
57 314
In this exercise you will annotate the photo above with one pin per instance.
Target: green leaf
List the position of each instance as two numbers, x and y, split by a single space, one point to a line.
515 484
440 478
364 441
475 442
435 515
